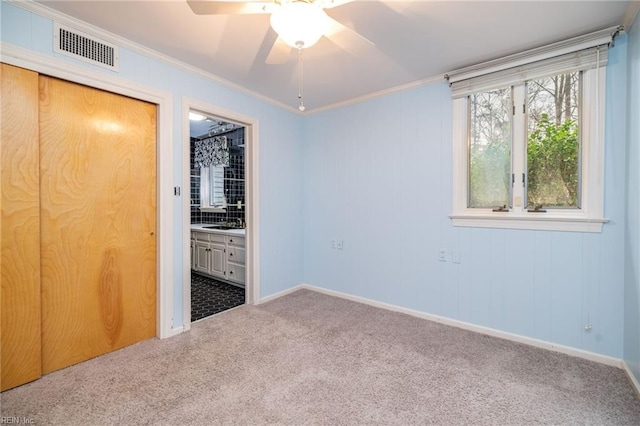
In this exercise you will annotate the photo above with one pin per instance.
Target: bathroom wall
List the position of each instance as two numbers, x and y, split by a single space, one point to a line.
234 183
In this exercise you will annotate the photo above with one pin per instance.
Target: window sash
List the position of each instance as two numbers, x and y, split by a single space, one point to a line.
489 140
579 119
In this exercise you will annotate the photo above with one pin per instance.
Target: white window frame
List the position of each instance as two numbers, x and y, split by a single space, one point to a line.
590 216
205 191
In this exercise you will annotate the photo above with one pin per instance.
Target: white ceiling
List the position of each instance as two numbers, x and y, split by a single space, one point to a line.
209 126
414 40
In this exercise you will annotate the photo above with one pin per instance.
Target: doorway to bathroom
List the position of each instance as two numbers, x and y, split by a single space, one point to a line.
218 271
217 219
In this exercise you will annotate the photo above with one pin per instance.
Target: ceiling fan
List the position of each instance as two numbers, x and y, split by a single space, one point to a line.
298 23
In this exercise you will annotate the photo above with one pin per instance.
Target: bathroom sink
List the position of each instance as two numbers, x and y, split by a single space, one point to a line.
221 227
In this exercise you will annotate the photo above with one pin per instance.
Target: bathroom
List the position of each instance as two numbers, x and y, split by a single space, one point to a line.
217 192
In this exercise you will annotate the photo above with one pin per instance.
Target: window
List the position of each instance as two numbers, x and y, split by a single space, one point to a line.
211 156
490 148
553 146
529 138
212 189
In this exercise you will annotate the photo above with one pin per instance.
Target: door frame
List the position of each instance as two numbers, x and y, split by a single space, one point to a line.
251 133
54 67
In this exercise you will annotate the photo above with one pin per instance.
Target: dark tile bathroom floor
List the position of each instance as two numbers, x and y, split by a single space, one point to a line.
210 296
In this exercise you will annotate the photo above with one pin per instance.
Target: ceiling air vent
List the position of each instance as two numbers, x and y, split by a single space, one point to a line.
81 46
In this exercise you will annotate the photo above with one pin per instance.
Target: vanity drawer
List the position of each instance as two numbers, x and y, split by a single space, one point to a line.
235 241
236 254
209 237
217 238
201 236
235 273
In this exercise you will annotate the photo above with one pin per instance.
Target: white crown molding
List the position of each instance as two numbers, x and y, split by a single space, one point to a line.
85 27
630 15
385 92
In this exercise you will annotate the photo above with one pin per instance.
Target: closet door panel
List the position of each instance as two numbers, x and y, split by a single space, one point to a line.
20 228
98 213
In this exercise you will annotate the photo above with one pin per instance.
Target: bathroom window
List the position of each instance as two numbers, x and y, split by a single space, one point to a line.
212 156
216 185
212 189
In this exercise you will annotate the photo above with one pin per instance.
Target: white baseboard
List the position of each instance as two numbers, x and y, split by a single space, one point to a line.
174 332
283 293
591 356
632 378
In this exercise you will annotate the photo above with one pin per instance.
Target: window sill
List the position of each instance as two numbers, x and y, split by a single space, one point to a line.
543 222
211 209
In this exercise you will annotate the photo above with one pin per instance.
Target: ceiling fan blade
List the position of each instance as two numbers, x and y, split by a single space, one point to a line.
329 4
279 53
213 7
346 38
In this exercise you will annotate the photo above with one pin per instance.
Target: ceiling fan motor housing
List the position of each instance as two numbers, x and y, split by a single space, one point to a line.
299 24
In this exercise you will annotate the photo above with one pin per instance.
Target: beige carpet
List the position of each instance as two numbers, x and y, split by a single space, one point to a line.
308 358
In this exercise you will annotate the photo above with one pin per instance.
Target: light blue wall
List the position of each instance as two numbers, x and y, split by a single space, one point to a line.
280 148
378 176
632 252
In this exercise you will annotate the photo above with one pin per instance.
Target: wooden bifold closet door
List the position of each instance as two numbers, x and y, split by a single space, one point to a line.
20 228
97 219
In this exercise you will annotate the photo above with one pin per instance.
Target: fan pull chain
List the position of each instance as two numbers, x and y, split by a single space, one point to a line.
300 77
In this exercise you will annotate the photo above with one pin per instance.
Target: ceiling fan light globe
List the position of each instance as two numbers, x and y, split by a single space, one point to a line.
299 22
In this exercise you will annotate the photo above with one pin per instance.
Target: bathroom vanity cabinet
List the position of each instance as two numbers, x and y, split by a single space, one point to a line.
219 255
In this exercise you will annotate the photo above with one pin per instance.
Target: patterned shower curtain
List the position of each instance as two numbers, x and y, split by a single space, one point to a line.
212 151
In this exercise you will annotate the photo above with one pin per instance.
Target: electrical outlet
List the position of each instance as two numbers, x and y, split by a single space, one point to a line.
340 244
333 244
442 255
